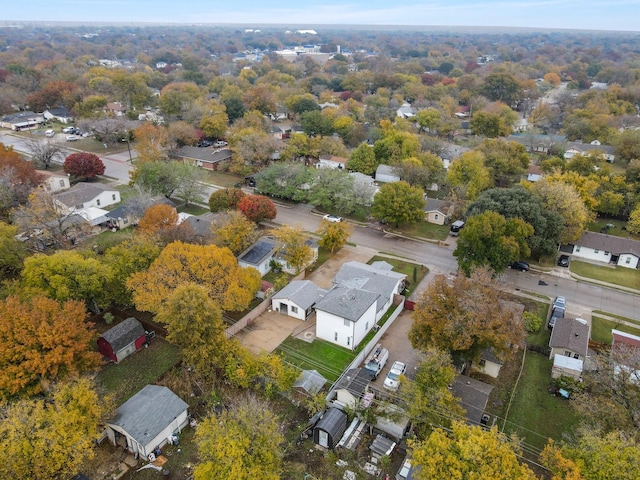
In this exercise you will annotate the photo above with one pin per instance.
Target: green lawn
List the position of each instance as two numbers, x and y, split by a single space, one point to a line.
599 223
134 372
328 359
626 277
425 230
613 315
408 268
601 329
223 179
535 414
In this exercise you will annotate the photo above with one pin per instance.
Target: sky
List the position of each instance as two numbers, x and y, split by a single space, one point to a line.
621 15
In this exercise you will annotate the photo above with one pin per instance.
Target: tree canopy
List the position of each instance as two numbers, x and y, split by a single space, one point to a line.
464 316
469 452
229 285
488 239
42 341
399 203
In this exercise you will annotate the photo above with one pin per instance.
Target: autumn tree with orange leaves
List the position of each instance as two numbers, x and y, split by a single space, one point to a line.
231 286
161 222
42 341
257 208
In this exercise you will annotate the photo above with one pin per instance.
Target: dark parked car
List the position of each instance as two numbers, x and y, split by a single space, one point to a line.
520 265
563 261
557 313
205 143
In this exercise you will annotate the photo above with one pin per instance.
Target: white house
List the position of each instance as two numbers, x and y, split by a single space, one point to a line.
378 278
385 174
54 182
60 114
83 195
22 120
345 315
259 255
331 161
406 111
604 248
147 420
593 148
297 299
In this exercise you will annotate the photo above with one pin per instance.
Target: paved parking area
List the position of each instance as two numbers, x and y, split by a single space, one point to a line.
396 341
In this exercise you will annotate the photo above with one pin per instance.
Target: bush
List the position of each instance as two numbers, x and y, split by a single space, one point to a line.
108 318
532 322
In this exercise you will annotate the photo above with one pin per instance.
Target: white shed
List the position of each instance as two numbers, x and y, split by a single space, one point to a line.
567 366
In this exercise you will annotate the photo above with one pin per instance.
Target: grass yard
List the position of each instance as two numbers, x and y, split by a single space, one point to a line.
134 372
222 179
626 277
601 329
408 268
107 239
328 359
600 223
425 230
535 414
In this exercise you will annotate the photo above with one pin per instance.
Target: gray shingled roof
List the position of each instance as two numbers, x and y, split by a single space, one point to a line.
572 334
303 293
609 243
310 381
473 395
82 192
209 155
201 224
123 333
375 278
257 252
347 303
355 381
433 204
148 412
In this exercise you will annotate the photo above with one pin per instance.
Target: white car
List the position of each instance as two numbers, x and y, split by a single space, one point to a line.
72 138
68 129
393 377
332 218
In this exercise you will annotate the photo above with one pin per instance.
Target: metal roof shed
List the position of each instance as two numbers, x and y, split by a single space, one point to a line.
330 428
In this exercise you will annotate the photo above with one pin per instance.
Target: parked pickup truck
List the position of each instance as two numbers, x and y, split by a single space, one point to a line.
376 361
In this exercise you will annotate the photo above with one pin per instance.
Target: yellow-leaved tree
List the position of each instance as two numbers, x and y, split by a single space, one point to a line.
243 443
468 452
49 438
231 286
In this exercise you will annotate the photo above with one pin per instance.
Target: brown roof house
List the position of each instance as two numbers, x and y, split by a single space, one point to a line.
570 338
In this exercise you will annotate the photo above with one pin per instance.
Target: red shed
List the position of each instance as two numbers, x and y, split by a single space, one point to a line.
119 342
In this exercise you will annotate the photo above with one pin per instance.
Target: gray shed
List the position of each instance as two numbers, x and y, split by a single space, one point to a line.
330 428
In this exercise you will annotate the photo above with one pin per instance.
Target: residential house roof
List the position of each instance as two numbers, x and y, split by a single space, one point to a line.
148 412
310 381
123 333
609 243
620 337
594 146
129 210
82 192
348 303
333 158
435 205
355 381
473 395
19 117
201 224
257 252
377 278
362 178
572 334
385 170
208 155
303 293
60 112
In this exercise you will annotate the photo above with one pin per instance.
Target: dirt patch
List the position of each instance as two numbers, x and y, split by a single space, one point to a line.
267 331
324 275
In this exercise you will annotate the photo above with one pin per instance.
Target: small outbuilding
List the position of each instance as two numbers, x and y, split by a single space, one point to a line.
119 342
567 366
330 428
148 420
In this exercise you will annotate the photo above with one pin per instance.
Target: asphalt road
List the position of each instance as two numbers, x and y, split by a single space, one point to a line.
582 298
